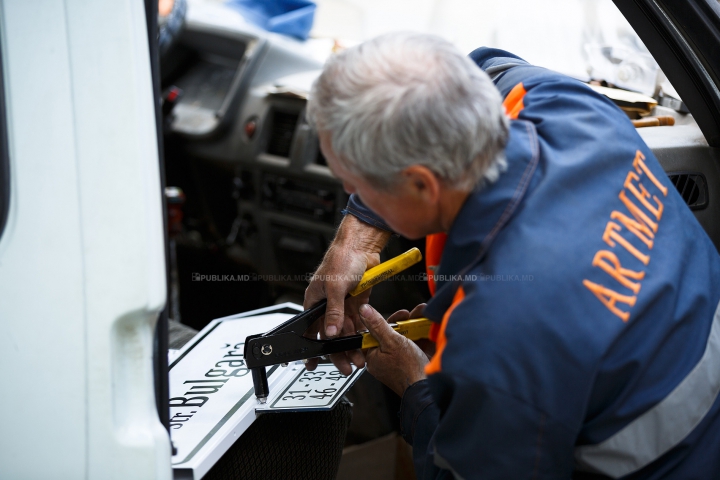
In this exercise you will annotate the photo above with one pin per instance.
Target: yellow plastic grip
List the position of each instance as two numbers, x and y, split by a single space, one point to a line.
386 270
414 329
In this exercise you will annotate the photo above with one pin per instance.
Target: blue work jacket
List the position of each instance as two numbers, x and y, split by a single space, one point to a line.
578 301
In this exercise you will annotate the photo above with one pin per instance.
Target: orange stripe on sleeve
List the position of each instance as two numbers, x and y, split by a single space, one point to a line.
514 101
435 366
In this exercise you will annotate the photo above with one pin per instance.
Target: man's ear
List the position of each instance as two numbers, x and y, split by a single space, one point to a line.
423 182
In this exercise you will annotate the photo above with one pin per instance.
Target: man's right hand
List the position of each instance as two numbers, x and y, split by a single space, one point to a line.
355 249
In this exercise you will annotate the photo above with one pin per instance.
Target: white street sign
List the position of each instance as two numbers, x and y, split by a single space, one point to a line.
212 400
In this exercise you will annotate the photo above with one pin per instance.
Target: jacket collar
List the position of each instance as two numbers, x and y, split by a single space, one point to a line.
484 214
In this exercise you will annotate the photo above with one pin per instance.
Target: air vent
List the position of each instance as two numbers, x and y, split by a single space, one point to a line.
282 129
692 188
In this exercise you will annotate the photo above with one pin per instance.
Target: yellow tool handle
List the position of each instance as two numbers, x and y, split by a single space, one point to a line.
413 329
386 270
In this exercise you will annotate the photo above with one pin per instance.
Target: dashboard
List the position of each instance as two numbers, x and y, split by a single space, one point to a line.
262 205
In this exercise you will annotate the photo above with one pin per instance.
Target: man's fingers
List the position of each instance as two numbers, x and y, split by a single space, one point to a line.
334 312
311 364
313 294
357 358
417 312
377 325
398 316
341 361
371 357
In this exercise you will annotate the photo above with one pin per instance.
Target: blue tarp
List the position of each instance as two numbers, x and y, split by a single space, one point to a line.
289 17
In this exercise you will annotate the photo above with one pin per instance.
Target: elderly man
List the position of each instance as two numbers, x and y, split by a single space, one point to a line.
576 295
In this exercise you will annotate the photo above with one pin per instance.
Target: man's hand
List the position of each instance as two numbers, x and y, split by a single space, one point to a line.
397 362
355 249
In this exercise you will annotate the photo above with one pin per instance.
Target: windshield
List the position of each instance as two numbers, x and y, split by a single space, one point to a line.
586 39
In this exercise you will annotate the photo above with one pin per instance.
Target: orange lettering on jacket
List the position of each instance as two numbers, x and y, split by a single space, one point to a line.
609 298
640 165
642 228
611 236
636 212
609 263
643 195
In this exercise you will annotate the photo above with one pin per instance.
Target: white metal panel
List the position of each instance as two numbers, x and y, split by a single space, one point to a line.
212 396
214 420
42 353
82 261
122 234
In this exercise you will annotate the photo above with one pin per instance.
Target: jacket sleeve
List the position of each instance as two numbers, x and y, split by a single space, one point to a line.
483 433
358 209
419 417
500 391
488 433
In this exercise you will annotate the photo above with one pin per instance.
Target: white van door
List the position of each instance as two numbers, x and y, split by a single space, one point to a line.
81 255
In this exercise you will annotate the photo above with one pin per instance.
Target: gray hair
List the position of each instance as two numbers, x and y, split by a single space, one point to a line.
405 99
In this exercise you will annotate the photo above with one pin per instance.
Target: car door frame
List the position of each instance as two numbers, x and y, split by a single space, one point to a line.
683 37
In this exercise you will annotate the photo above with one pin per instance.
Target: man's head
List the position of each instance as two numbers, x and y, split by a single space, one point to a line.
405 119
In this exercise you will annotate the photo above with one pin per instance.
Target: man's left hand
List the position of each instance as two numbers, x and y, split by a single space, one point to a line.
397 362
